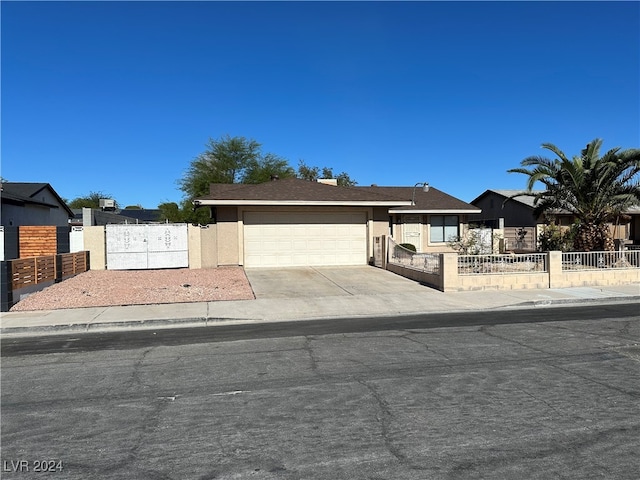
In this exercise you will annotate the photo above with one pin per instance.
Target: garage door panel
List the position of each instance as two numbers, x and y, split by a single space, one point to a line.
294 239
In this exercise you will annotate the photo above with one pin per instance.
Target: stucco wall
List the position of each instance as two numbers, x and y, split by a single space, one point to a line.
203 249
425 244
94 241
429 279
601 277
520 281
380 221
227 237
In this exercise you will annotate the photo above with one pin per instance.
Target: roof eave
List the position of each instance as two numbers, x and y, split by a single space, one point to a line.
436 210
304 203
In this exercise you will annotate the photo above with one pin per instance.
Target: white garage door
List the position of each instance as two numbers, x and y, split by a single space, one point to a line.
304 239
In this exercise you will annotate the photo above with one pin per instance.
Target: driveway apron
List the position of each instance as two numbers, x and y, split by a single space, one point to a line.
302 282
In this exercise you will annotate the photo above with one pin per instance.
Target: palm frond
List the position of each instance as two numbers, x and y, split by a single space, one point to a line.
591 187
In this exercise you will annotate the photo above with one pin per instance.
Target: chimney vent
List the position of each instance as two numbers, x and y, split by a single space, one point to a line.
329 181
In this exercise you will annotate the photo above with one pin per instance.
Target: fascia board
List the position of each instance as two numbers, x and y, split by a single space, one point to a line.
443 211
298 203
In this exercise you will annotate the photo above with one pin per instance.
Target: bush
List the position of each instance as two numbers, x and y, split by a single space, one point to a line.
408 246
555 238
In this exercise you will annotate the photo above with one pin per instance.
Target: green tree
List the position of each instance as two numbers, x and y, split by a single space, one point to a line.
595 189
183 213
226 160
92 200
170 211
238 160
263 169
306 172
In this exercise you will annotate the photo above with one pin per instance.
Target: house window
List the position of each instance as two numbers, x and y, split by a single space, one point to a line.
443 228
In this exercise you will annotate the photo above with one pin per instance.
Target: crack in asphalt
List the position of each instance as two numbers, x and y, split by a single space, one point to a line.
504 457
630 393
543 401
623 333
312 357
426 346
385 419
485 329
137 366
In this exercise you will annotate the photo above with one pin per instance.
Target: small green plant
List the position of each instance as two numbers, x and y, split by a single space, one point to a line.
553 237
408 246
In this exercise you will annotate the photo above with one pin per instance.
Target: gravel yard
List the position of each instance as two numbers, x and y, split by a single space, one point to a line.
101 288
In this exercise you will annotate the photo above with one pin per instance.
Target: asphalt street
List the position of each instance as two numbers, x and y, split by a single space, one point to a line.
128 339
527 394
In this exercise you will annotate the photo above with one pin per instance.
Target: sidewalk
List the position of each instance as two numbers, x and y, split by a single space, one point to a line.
427 301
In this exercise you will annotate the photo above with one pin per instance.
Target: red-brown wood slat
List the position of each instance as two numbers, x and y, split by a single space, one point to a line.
36 241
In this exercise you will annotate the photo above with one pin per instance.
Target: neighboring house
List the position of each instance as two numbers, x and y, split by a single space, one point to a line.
96 216
501 211
293 222
26 206
143 215
32 204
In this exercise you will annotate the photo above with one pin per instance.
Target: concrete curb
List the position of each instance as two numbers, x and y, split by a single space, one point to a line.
121 325
569 301
168 323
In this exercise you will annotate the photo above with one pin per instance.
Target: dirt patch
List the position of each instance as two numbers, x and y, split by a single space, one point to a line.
103 288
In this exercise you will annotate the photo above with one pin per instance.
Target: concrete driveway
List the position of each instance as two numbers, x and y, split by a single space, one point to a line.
327 282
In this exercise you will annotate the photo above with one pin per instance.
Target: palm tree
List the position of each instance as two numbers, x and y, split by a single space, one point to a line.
595 189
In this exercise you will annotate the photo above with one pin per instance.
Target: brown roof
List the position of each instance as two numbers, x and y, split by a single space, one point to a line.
295 190
434 199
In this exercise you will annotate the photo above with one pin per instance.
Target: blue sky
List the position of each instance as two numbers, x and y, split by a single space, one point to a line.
120 97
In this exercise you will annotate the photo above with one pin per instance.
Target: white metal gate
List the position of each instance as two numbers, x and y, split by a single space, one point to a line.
141 246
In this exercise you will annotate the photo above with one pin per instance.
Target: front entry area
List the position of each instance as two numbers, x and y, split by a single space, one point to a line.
288 239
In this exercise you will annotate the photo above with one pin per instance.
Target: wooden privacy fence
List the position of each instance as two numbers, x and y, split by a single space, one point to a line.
26 272
36 241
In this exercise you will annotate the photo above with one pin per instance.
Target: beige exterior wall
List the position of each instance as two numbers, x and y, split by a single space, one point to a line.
380 221
426 246
228 235
203 249
601 277
520 281
95 242
378 227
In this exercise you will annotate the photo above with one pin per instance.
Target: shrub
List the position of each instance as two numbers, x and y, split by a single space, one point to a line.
555 238
408 246
403 249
